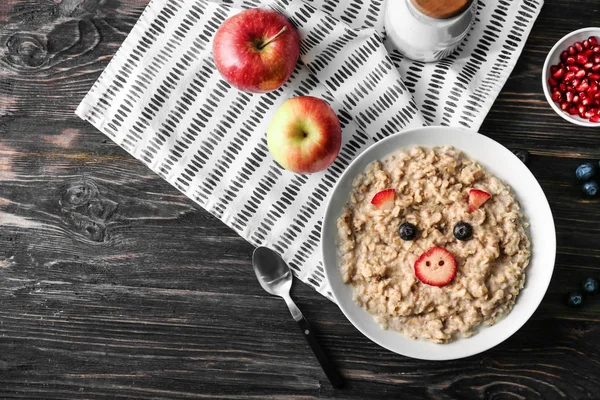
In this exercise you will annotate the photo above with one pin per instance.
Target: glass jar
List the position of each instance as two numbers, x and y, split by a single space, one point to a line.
428 30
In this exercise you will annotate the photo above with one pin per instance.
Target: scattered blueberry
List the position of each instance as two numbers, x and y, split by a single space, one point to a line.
585 172
574 299
522 155
407 231
590 285
591 188
462 231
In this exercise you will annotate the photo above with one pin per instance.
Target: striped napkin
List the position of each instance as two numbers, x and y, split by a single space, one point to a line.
162 99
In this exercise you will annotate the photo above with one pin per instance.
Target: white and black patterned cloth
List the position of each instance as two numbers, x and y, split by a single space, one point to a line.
162 99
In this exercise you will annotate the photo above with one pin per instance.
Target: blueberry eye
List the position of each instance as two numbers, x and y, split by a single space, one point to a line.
407 231
463 231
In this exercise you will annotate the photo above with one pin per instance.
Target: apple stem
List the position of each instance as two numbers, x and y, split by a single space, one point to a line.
271 39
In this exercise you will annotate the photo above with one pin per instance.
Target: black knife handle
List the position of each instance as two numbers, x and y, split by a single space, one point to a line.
328 367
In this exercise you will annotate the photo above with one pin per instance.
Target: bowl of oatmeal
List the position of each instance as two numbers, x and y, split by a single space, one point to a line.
438 243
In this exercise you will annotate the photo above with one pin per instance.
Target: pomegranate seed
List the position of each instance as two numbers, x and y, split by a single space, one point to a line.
569 96
564 55
593 88
580 74
596 49
597 96
558 73
583 86
589 114
575 99
594 111
581 110
586 43
562 87
586 102
582 95
573 68
571 60
597 59
595 118
552 82
596 67
564 106
593 41
594 76
588 52
588 65
556 96
574 83
571 50
553 69
572 111
578 46
581 59
569 76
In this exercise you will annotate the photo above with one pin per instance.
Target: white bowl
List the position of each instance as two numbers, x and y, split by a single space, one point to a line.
553 58
506 166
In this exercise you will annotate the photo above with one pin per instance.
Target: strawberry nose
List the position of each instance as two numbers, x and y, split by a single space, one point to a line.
435 267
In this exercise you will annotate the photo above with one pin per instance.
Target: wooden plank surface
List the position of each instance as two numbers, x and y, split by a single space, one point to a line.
114 285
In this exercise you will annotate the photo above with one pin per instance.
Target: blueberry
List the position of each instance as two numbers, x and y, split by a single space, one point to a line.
585 172
522 155
591 188
407 231
574 299
590 285
463 231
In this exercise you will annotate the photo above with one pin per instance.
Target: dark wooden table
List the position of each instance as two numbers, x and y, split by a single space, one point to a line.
144 295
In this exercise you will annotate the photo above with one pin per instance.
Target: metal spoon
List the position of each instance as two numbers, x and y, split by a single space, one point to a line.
275 277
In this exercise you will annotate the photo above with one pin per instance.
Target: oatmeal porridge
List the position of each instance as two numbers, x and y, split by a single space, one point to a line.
433 244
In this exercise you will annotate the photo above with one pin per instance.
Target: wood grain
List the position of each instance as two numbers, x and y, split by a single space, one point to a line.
114 285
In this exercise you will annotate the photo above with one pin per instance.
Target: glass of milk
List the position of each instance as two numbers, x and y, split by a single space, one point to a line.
428 30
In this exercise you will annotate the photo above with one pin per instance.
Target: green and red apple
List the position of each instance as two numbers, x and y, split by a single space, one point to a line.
256 50
304 135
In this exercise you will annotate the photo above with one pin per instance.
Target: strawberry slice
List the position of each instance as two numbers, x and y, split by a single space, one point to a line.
436 267
384 200
477 198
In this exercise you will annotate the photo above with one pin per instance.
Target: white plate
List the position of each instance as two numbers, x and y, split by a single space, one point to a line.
499 161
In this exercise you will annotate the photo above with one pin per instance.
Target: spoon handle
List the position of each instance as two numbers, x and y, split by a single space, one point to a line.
334 378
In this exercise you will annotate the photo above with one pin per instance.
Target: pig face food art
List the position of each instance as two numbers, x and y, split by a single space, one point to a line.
433 244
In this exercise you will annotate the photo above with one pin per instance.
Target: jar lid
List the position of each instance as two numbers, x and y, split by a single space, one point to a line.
441 9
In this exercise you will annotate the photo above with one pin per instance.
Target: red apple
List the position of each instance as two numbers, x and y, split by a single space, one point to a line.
305 135
256 50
